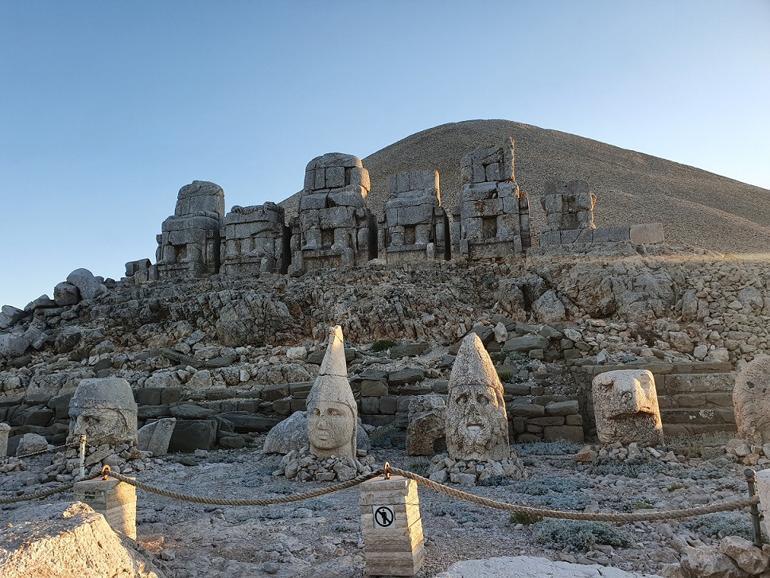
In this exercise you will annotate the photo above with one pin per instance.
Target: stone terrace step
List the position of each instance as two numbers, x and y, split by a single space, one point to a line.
696 403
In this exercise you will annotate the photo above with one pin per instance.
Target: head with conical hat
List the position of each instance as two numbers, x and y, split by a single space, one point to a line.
331 407
476 421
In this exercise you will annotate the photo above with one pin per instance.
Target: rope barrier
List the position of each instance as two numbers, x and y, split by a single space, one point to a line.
619 517
245 501
386 472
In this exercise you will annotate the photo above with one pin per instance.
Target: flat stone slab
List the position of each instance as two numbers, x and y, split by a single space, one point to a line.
532 567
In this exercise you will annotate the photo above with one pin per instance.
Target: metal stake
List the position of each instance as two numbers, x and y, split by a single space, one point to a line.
82 456
751 482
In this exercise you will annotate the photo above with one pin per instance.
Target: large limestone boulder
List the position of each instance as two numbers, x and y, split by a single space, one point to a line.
425 433
291 434
751 401
64 539
532 567
88 286
66 294
30 443
626 407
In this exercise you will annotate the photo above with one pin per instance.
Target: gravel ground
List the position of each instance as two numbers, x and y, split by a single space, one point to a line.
321 537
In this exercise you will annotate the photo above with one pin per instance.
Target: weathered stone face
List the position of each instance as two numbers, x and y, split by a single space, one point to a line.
751 401
626 407
331 407
104 410
476 420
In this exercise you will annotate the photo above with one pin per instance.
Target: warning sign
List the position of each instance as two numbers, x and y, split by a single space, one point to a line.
383 516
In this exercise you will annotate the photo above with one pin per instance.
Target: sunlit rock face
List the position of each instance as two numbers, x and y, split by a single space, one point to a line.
476 421
331 407
626 407
104 410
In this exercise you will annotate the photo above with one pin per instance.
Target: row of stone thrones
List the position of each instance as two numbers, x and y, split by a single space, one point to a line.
335 228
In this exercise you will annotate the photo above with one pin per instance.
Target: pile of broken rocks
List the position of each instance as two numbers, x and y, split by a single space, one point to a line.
304 467
472 472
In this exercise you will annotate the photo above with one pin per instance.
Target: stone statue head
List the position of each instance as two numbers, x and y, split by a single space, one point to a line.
476 421
331 407
626 407
104 410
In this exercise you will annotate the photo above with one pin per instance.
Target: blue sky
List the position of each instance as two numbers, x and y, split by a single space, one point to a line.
108 107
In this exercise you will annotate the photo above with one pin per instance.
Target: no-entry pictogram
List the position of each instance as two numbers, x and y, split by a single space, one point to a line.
384 516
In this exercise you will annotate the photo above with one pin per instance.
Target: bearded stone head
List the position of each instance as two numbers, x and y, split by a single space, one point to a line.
476 420
331 408
104 410
626 407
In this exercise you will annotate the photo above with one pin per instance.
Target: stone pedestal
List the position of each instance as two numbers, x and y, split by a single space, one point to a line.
392 527
115 500
4 432
763 491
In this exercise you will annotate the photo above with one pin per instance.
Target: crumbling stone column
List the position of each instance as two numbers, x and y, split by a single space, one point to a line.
390 522
114 499
255 240
415 226
334 228
188 245
494 212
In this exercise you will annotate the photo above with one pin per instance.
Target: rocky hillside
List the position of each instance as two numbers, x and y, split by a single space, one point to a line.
697 207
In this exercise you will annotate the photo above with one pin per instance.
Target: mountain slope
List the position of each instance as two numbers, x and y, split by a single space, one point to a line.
696 207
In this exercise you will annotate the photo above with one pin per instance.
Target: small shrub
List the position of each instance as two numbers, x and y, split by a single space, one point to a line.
579 535
628 470
504 374
543 486
722 524
569 502
382 345
524 518
641 505
558 448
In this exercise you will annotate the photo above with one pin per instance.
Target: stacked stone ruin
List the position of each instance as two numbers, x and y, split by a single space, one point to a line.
334 227
255 240
494 213
188 245
415 226
569 213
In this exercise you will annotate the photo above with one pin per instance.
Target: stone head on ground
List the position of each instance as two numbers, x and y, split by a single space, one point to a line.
104 410
626 407
476 420
331 407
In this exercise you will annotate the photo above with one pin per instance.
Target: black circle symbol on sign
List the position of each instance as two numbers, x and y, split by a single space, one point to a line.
383 516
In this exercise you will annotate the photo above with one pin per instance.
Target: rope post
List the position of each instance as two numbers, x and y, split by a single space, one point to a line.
114 499
390 522
762 489
82 456
751 480
5 430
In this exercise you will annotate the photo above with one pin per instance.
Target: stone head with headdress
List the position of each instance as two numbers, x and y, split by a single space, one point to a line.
331 407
